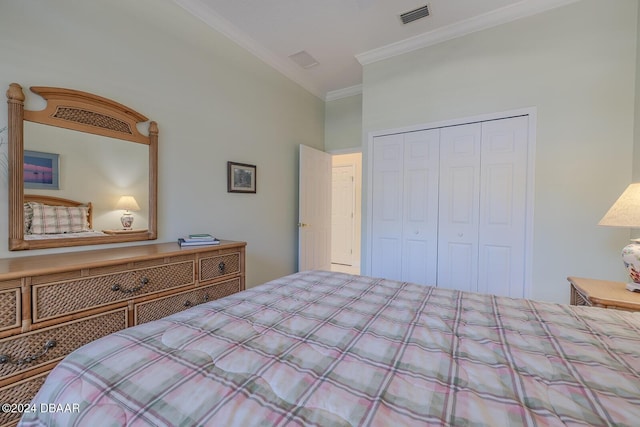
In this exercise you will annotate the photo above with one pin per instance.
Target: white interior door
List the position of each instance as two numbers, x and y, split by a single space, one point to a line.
314 216
485 171
503 204
420 206
386 215
342 214
459 204
405 209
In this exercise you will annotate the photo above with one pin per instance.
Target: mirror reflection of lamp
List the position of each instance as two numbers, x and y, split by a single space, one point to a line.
128 204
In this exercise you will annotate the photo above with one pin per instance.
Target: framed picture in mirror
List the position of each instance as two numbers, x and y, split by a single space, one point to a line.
41 170
241 178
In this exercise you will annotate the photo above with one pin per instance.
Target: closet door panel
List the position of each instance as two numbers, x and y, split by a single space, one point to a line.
420 206
386 247
503 207
495 267
459 201
458 266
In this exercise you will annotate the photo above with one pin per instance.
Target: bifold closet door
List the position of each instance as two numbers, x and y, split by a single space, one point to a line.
404 209
483 184
503 190
459 206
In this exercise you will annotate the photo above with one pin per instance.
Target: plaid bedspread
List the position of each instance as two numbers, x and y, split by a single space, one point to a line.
330 349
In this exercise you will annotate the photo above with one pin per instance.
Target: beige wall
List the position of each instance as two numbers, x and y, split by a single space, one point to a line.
213 101
576 65
343 124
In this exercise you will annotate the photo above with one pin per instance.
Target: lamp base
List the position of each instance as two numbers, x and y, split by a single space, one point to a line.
127 221
633 287
631 260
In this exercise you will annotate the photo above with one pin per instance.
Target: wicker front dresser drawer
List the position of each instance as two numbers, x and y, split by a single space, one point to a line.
216 265
10 310
159 308
19 393
33 349
71 296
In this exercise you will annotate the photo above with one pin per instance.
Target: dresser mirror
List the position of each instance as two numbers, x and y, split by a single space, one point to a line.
83 153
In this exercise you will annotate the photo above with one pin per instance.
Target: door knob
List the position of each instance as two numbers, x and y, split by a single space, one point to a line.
302 224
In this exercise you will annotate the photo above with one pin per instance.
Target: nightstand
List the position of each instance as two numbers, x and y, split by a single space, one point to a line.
603 293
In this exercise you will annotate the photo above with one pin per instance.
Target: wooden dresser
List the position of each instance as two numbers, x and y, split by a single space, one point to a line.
52 304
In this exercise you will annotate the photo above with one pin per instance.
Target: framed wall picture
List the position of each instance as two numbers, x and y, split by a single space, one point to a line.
41 170
241 178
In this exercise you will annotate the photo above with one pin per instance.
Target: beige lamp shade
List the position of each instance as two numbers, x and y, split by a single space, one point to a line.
127 203
625 212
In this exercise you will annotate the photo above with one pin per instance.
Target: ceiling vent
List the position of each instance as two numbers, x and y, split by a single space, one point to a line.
414 15
303 59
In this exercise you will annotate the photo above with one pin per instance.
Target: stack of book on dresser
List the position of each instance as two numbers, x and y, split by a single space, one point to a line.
198 240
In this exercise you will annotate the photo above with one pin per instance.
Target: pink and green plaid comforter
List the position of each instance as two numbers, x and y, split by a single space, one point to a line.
330 349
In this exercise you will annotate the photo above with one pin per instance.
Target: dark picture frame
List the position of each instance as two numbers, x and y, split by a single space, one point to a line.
241 178
41 170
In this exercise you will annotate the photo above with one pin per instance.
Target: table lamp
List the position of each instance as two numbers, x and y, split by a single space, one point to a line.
128 204
625 212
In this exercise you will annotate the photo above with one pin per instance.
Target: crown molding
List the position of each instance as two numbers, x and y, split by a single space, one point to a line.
488 20
343 93
198 9
290 70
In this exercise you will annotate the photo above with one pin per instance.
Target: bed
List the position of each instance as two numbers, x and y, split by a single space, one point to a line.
332 349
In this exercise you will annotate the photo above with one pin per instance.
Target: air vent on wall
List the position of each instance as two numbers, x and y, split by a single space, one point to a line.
414 15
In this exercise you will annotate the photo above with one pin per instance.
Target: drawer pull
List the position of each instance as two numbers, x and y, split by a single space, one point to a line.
117 287
48 345
188 303
221 267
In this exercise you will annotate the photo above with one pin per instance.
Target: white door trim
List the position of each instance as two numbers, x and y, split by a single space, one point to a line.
530 112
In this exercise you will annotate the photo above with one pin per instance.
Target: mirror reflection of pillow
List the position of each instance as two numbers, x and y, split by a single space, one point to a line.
59 219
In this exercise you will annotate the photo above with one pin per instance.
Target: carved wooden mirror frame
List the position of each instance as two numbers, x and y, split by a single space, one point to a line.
83 112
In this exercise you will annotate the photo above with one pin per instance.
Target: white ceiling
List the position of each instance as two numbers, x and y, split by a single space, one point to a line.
342 35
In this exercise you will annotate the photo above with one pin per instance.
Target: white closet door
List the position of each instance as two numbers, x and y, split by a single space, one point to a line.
449 206
405 208
420 207
459 207
503 207
386 239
